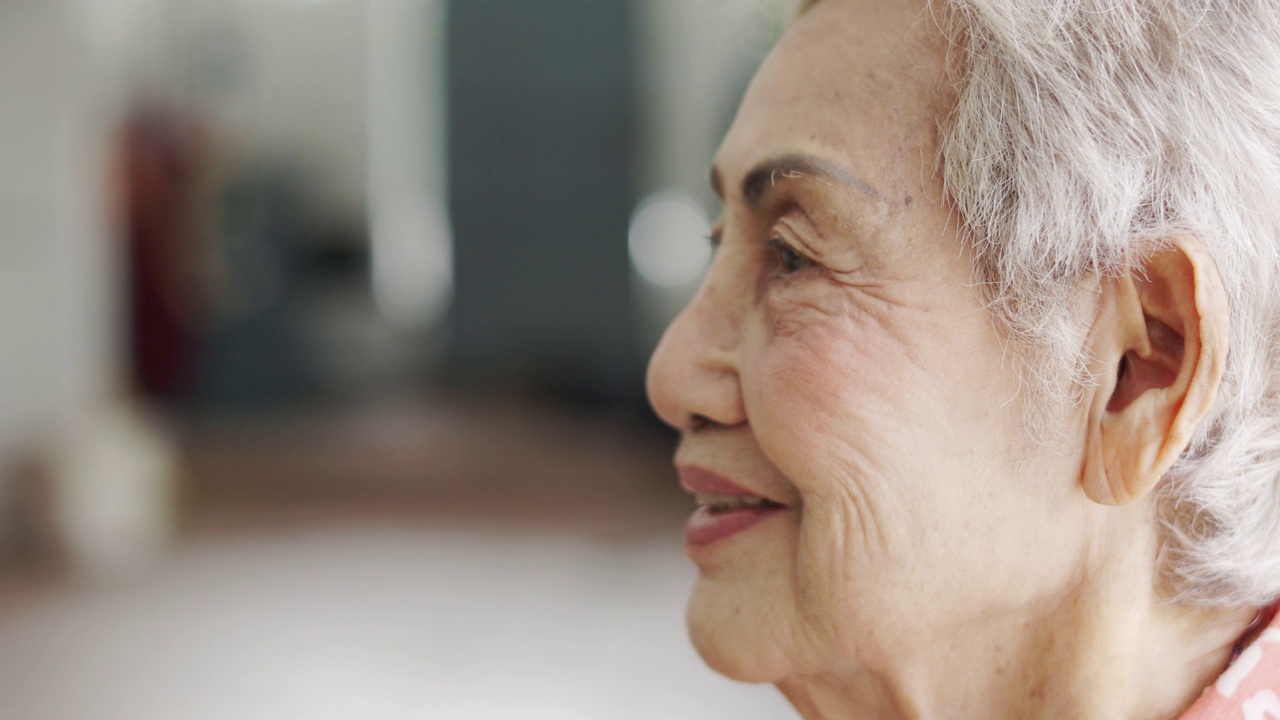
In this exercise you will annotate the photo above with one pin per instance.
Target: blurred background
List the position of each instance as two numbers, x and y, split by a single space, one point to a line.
323 326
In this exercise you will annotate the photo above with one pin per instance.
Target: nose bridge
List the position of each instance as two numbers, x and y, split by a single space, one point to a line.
693 374
716 313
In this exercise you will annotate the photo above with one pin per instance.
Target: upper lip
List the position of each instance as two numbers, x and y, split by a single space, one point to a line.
701 481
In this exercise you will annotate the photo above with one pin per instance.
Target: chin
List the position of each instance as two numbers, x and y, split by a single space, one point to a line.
734 637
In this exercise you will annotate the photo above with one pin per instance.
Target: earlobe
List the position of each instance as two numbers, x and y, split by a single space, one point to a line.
1160 345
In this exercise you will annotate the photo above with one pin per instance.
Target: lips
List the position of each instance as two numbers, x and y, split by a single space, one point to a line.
725 508
700 481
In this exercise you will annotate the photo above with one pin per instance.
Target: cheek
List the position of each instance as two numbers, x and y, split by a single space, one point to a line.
841 409
825 368
880 413
832 362
829 412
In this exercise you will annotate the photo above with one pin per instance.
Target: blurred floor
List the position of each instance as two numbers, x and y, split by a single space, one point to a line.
442 561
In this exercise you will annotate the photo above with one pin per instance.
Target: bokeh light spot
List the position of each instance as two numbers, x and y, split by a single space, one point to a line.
667 239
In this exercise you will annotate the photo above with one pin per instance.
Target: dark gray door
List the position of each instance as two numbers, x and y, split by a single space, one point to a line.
540 143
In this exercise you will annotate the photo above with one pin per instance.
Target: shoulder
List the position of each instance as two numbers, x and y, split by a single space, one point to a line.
1249 689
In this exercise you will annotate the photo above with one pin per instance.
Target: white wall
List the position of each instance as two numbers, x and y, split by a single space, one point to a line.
59 328
693 56
412 244
281 79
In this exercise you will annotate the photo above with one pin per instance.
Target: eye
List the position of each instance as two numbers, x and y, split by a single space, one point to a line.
788 260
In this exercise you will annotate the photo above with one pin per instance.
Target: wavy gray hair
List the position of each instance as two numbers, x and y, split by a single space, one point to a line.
1077 134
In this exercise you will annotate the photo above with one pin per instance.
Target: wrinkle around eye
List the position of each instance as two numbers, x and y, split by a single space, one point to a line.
816 304
856 277
796 315
811 241
889 290
795 309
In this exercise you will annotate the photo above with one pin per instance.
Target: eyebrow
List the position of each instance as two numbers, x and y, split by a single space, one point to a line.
764 177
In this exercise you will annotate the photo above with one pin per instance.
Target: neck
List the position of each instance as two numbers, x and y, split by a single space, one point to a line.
1109 647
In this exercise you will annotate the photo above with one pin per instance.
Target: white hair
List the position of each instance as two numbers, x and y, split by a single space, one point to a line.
1077 135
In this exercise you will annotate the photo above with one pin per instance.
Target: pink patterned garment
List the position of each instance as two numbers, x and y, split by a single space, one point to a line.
1249 689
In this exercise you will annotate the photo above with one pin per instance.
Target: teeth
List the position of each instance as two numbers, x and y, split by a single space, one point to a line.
725 503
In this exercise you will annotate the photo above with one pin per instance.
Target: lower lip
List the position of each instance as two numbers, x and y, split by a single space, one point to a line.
705 527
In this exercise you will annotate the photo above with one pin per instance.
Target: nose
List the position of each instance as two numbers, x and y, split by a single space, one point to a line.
694 377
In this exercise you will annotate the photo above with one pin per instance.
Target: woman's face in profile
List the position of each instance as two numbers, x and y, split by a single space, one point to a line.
838 361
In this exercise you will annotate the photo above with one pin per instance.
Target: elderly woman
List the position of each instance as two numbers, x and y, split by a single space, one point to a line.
980 398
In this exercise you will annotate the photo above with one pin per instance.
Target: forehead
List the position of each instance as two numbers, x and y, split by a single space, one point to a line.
852 81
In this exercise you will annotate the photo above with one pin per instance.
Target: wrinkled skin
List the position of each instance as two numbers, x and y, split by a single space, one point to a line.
839 360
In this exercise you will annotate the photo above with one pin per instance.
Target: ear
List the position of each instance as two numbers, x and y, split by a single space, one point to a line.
1159 346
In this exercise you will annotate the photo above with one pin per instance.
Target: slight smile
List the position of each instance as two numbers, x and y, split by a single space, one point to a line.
725 508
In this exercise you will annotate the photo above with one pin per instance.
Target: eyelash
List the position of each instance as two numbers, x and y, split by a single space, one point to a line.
787 259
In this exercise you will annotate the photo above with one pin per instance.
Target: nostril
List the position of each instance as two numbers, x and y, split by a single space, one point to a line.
697 421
